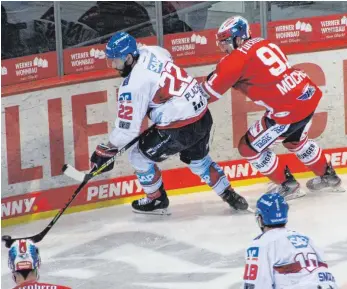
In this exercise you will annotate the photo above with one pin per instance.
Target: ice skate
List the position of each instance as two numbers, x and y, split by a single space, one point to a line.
234 200
289 189
153 206
329 182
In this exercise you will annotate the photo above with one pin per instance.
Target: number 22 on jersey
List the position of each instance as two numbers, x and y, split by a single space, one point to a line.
173 82
125 109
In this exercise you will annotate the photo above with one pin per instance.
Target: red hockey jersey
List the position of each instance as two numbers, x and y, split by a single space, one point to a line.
38 285
261 71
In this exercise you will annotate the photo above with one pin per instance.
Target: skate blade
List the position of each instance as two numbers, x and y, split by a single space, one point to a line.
155 212
245 211
296 195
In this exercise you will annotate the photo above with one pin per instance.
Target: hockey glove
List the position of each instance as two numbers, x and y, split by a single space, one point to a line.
101 155
209 76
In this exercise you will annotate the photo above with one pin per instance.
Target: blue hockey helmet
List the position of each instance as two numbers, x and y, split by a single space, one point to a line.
273 209
120 45
231 28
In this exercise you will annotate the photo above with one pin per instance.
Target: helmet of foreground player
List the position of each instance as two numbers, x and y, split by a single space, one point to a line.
23 255
273 210
232 28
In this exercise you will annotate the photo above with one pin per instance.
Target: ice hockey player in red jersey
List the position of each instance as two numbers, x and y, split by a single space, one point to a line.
24 261
260 70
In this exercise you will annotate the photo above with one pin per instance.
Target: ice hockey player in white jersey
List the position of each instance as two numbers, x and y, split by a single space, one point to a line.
281 258
156 87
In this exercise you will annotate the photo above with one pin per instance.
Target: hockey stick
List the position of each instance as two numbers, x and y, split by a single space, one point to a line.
73 173
86 177
38 237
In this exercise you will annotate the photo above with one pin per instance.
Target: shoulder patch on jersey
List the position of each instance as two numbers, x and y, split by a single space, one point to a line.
253 253
298 241
124 97
307 92
154 64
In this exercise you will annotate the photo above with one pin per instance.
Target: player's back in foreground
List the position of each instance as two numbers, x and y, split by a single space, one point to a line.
24 261
281 258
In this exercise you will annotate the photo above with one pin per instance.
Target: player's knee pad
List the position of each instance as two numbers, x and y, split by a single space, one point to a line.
211 173
147 171
138 160
245 148
307 150
266 162
150 180
260 136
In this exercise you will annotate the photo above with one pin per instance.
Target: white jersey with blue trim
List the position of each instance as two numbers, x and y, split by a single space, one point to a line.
285 259
158 88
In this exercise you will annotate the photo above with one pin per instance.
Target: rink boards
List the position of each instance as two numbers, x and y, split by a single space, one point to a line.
44 129
115 191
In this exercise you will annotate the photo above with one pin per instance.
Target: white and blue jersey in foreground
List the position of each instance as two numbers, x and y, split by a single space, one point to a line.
285 259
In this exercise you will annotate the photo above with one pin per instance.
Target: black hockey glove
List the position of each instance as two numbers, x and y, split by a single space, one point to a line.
101 155
209 76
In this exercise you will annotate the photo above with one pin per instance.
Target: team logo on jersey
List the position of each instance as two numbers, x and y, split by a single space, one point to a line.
154 64
308 92
253 253
298 241
125 97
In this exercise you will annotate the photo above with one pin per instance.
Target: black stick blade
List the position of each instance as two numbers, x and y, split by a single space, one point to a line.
64 168
8 240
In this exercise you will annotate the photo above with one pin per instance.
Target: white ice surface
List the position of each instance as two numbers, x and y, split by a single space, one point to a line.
200 246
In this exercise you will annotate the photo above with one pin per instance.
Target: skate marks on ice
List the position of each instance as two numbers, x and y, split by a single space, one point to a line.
136 260
145 260
201 245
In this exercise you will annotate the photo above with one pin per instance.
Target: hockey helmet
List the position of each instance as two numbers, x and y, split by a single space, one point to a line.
233 27
23 255
273 209
119 46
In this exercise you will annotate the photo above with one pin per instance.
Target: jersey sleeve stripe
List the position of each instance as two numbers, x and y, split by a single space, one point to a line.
211 91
